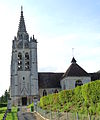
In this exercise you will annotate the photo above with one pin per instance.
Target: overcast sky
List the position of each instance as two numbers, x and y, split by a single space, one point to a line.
58 26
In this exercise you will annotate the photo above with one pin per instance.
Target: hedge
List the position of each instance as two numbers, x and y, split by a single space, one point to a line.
82 97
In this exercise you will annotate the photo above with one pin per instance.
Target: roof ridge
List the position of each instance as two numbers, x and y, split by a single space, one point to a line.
75 70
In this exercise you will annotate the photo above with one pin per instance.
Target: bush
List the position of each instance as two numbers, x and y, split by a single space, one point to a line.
78 94
92 109
91 92
63 97
3 105
98 108
82 99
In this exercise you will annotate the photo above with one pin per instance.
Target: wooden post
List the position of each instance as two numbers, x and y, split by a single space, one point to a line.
77 116
67 115
50 115
89 116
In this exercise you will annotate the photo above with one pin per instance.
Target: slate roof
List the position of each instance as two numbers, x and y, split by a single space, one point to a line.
49 80
95 76
75 70
52 80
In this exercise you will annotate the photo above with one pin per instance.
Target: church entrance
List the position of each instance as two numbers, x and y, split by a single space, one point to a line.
24 101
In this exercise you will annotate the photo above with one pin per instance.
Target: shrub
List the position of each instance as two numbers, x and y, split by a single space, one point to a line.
82 99
78 94
92 109
3 105
98 108
63 96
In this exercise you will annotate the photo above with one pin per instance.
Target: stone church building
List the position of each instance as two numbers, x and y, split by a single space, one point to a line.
27 83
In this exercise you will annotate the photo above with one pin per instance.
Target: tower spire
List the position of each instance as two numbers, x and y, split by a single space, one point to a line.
22 27
22 33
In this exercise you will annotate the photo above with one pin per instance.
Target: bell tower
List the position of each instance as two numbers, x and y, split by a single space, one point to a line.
24 72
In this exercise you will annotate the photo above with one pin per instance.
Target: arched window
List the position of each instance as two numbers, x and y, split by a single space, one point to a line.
19 56
19 61
78 83
27 62
44 93
56 91
26 56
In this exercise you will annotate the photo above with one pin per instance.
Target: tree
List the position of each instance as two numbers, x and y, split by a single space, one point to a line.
4 98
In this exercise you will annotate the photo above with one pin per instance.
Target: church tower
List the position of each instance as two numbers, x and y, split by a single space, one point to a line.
24 72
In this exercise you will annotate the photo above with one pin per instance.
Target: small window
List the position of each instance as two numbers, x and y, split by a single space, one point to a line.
26 67
78 83
26 62
19 56
56 91
26 56
19 67
19 62
44 93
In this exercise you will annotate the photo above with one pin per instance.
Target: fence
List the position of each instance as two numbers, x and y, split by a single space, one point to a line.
65 115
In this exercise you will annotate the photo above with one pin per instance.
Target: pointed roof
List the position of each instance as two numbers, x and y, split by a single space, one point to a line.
22 33
75 70
22 27
73 60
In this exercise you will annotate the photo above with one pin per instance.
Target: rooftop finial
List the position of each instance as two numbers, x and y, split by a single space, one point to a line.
72 52
21 8
73 59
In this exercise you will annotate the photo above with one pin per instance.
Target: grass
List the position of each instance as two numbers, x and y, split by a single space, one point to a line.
2 111
12 115
31 105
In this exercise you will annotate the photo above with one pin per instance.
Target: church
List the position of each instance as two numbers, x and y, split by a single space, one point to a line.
26 83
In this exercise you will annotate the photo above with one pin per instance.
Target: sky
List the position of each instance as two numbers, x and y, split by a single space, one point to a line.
59 26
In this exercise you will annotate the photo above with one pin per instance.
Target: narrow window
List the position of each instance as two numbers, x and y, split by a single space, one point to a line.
56 91
19 56
27 61
44 93
19 61
26 56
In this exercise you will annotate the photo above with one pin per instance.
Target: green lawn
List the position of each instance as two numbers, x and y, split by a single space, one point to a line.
12 115
2 111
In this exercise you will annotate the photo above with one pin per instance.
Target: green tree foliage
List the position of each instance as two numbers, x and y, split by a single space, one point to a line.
4 98
84 99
